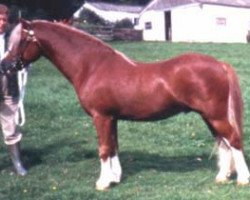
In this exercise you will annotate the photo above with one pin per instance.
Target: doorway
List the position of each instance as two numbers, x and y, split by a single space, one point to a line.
168 26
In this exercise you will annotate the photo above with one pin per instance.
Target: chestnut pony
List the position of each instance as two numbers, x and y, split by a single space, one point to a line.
111 87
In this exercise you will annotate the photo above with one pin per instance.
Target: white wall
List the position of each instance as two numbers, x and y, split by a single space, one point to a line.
199 24
188 24
195 23
157 32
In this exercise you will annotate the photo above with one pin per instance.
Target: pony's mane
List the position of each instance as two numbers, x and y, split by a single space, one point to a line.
76 32
82 34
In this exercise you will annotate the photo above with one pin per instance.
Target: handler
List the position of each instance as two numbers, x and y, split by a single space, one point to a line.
9 100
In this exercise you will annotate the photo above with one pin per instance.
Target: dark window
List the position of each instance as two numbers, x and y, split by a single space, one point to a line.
148 25
136 21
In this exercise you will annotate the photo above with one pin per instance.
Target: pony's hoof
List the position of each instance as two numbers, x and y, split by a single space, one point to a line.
104 183
243 182
222 181
102 186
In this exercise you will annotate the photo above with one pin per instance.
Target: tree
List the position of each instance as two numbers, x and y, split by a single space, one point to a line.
43 9
53 9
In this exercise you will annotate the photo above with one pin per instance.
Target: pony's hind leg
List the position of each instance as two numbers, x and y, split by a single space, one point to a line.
225 162
110 165
241 167
230 152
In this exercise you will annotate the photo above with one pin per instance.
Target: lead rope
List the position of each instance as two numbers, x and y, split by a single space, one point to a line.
22 77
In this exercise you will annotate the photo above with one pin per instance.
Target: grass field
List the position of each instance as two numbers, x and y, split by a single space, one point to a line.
169 159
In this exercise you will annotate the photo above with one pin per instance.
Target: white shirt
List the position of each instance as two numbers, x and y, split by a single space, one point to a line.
2 45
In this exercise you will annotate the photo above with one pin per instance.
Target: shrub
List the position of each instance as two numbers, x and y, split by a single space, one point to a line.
124 23
91 17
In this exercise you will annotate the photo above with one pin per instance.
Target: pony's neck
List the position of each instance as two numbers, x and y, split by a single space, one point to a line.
70 50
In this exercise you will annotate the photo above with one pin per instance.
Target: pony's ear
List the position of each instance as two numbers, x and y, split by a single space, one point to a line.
26 24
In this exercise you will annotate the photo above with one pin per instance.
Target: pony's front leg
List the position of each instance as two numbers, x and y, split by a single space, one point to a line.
107 139
115 162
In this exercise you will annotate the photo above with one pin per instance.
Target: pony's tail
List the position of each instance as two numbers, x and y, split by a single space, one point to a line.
235 104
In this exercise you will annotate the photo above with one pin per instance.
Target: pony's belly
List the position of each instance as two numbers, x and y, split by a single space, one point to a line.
152 115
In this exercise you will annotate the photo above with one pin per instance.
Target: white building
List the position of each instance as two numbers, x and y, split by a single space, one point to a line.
112 12
225 21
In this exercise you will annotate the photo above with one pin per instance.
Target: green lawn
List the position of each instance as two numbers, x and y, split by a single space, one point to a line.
169 159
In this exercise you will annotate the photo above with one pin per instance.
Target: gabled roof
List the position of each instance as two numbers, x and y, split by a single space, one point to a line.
166 4
234 3
115 7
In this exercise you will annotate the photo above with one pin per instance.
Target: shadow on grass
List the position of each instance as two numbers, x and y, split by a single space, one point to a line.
137 161
132 161
54 153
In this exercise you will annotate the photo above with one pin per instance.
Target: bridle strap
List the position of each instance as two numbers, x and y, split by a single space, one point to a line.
19 65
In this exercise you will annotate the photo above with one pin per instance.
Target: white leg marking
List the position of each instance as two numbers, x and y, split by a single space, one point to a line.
104 181
224 163
243 174
116 168
110 173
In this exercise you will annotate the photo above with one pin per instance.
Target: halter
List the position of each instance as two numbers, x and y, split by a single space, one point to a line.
18 64
31 35
29 38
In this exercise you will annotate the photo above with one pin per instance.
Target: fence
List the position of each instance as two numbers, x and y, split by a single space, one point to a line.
109 33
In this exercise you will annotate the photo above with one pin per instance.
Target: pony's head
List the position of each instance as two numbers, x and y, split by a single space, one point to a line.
23 48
